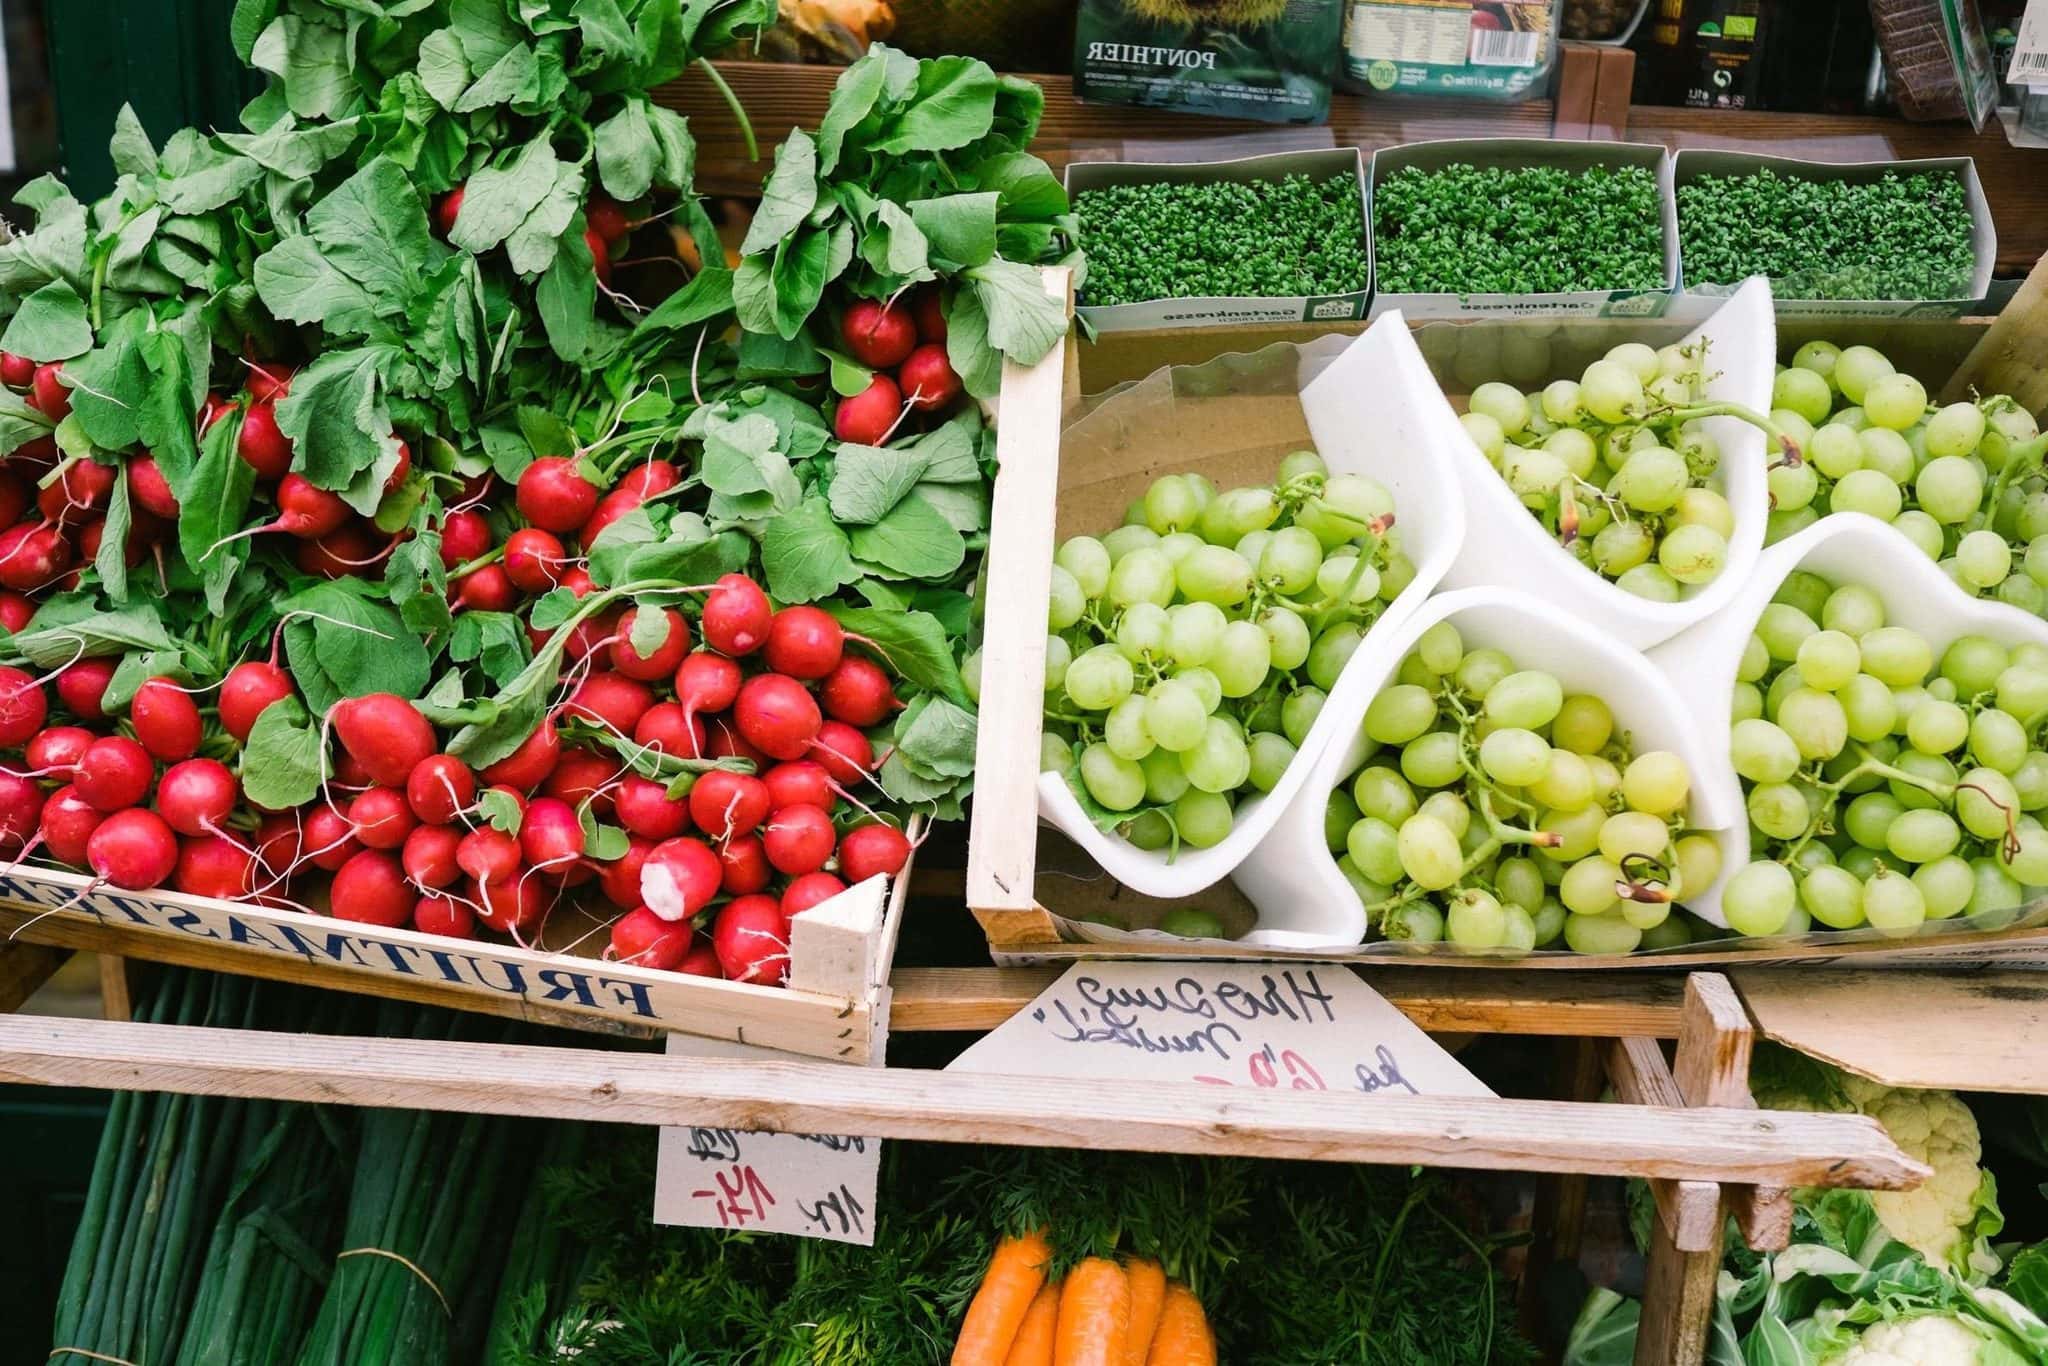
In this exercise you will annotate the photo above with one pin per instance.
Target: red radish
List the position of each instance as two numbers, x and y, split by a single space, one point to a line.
399 471
878 335
928 306
371 889
667 657
197 796
21 810
810 890
141 535
667 729
385 733
57 750
777 716
743 866
489 856
510 794
249 688
724 742
132 849
444 916
751 938
528 766
439 787
867 417
550 836
645 809
701 961
381 818
16 372
648 478
263 444
215 866
736 616
464 536
32 557
487 588
166 720
270 381
610 508
150 490
16 610
582 778
305 511
620 879
600 257
857 692
707 682
14 498
610 700
591 635
277 844
799 839
606 218
644 939
844 751
67 823
873 850
329 839
725 804
804 642
513 906
800 782
428 856
83 488
212 409
679 878
928 380
448 209
48 394
553 496
114 773
340 554
22 708
534 560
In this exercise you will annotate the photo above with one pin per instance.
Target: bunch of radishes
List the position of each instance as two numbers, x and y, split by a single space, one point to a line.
905 345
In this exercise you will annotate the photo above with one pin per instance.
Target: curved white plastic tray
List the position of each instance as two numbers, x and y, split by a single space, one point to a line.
1846 547
1516 551
1373 409
1292 877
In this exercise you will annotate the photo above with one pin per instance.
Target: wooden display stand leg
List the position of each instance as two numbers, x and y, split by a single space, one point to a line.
1557 1224
117 1000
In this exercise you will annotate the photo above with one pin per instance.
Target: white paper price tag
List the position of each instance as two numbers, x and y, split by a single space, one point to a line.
1301 1027
2030 54
812 1185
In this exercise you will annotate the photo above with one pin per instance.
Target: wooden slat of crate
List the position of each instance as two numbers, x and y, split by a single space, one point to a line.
23 969
629 1088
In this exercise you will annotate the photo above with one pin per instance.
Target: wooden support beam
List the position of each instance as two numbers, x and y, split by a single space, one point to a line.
1690 1209
117 1001
638 1088
23 969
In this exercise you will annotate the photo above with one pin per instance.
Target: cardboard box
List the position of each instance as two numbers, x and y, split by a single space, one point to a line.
1518 152
1220 312
1697 299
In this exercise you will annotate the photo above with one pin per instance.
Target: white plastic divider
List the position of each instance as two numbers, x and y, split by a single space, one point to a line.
1843 548
1303 900
1373 409
1516 551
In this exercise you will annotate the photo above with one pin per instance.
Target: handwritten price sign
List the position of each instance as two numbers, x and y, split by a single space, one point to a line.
812 1185
1298 1028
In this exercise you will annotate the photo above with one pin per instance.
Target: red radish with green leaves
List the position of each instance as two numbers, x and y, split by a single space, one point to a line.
554 496
428 856
534 560
263 444
777 715
166 720
196 797
811 889
867 418
743 866
804 642
679 878
737 617
927 380
385 734
751 938
877 334
248 690
132 849
114 773
371 888
23 708
644 939
214 866
382 818
439 788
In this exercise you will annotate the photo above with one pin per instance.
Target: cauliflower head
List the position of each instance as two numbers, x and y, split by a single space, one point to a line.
1931 1340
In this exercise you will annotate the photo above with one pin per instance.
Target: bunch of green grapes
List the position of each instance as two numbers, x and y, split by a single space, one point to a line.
1618 465
1191 649
1499 812
1885 786
1964 481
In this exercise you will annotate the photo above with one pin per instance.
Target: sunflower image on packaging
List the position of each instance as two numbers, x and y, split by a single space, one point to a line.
1251 59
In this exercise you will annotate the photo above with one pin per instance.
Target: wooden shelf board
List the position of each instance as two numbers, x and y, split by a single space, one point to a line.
1730 1145
778 98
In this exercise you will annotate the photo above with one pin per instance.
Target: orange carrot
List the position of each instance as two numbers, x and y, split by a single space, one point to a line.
1183 1338
1148 1293
1095 1314
1033 1346
1012 1280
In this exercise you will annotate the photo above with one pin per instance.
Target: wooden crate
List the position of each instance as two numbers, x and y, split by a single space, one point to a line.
1031 891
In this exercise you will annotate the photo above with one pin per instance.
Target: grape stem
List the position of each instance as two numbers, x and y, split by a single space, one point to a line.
2015 461
1792 457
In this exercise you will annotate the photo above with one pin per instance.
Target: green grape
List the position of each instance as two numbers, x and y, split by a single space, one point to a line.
1748 703
1148 830
1087 560
1828 660
1115 782
1399 714
1172 504
1178 545
1566 784
1203 818
1949 489
1205 492
1868 492
1192 922
970 675
1145 575
1515 756
2032 523
1650 582
1759 900
1066 602
1252 546
1583 724
1651 480
2030 781
1576 451
1805 592
1476 920
1892 903
1547 922
1756 658
1058 655
1699 862
1804 392
1299 712
1486 434
1641 360
1338 818
1896 656
1298 464
1175 715
1345 508
1852 417
1896 401
1211 573
1819 357
1621 546
1869 707
1290 560
1363 887
1835 450
1207 686
1833 896
1887 453
1995 889
1792 487
1922 836
1124 731
1783 628
1815 721
1778 810
1055 751
1533 474
1287 638
1429 853
1518 929
1763 752
1628 835
1503 403
1983 559
1237 514
1928 768
1344 578
1693 554
1380 791
1220 761
1418 922
1100 678
1859 367
1656 782
1946 886
1395 576
1431 760
1141 632
1244 661
1374 845
1530 699
1194 631
1578 833
2029 864
1165 779
1611 392
1601 934
1859 862
1867 818
1853 610
1937 727
2023 691
1519 882
1126 539
2020 590
1998 741
1331 652
1480 670
1922 530
1270 754
1449 808
1561 402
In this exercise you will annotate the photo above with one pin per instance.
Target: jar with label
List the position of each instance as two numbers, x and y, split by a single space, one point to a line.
1485 49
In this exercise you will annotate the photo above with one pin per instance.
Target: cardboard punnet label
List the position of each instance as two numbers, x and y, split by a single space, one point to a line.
1298 1027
